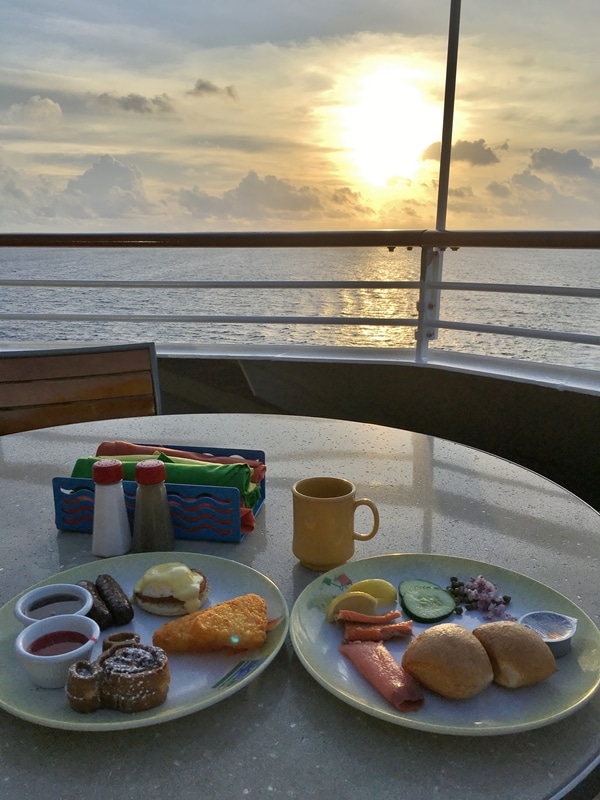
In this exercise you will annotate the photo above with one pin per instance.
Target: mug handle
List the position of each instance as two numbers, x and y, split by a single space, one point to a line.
364 537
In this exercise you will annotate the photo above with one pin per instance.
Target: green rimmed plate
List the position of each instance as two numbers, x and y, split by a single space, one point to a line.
191 689
494 711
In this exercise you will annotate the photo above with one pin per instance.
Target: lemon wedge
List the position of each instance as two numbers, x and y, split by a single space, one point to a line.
351 601
383 591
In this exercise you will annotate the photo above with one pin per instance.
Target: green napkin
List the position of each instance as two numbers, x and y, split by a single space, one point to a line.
186 471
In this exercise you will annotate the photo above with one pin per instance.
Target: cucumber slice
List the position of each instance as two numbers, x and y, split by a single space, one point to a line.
424 601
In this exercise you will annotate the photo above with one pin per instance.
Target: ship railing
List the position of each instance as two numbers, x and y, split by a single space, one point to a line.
426 324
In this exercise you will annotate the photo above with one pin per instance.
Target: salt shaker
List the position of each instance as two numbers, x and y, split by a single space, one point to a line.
111 534
152 525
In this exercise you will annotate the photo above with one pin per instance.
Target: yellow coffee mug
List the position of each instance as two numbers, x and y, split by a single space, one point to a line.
324 532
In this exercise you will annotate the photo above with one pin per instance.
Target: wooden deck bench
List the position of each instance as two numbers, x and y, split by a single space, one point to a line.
42 388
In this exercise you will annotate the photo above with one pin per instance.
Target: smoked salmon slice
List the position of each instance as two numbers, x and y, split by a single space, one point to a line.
368 619
357 632
377 665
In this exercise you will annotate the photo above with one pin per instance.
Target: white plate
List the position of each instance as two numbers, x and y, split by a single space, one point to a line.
192 688
495 710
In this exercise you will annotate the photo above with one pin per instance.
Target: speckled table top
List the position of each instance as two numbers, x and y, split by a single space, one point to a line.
284 735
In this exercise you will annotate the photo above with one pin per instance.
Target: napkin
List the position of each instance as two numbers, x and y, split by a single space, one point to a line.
185 471
118 449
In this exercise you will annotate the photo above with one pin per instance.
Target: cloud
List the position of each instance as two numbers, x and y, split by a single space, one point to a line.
257 199
475 153
108 195
204 88
38 111
461 192
271 193
530 181
500 190
107 189
231 22
9 186
344 195
160 104
570 162
253 198
348 200
432 153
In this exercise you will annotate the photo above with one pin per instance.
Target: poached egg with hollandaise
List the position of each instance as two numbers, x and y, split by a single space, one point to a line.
171 590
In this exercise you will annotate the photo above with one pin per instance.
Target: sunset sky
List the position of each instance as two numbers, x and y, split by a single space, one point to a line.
268 115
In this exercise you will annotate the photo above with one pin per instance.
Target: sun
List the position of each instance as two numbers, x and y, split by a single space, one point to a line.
386 126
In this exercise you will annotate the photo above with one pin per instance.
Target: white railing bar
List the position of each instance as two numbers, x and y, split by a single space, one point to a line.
509 288
532 333
108 284
211 318
503 288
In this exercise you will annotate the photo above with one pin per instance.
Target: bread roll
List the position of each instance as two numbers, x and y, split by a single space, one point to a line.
519 656
449 660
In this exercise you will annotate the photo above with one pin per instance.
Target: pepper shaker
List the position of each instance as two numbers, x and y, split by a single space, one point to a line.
152 525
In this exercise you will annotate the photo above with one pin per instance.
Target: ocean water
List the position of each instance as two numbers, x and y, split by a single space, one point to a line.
552 268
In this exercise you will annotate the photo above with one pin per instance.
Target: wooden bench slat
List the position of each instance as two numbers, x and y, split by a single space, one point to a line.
26 419
68 390
75 364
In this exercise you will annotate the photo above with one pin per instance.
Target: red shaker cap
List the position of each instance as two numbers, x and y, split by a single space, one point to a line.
107 470
150 471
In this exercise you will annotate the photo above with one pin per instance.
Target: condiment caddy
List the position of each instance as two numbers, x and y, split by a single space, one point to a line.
198 512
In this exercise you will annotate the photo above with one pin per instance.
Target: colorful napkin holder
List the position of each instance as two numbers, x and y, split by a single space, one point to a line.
211 513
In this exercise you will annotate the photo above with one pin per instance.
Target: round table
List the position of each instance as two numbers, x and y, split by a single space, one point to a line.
283 735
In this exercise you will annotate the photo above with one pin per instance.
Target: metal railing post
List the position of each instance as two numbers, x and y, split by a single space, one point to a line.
449 97
428 304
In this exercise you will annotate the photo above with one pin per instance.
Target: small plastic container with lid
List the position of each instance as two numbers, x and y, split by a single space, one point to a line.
152 525
557 630
111 534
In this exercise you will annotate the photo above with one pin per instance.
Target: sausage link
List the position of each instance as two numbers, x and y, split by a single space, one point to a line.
99 611
115 598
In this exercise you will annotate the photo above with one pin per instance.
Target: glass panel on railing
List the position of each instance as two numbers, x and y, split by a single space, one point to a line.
534 268
525 152
223 116
280 116
237 264
270 116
